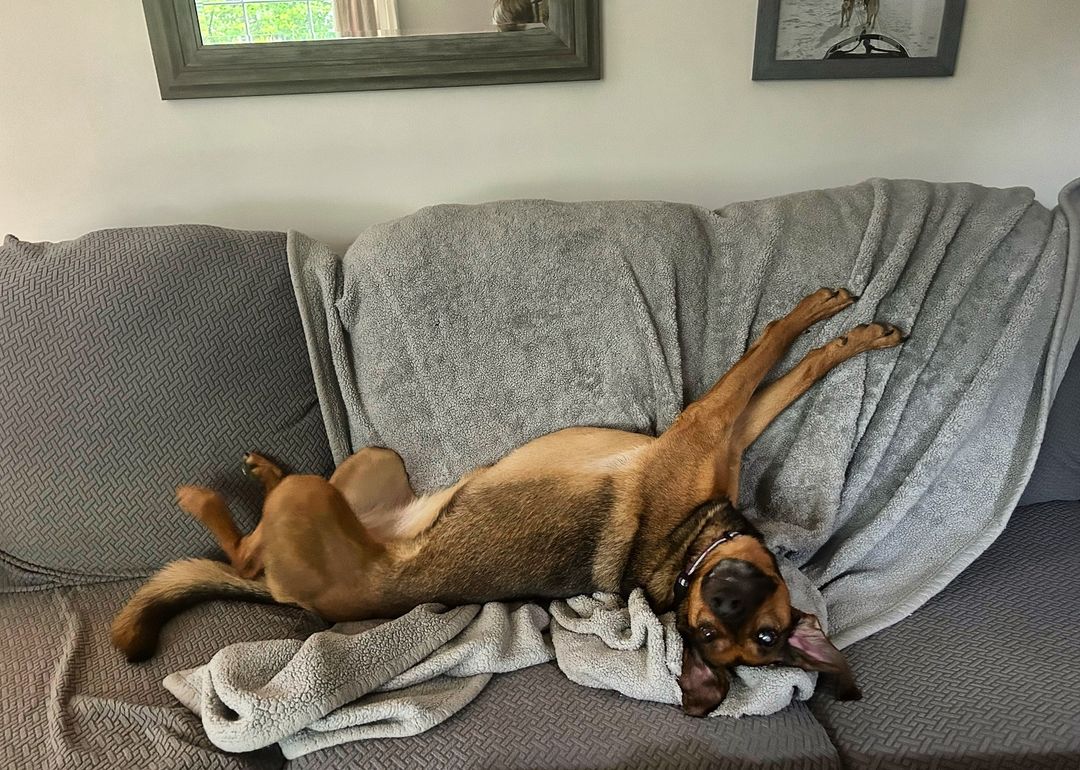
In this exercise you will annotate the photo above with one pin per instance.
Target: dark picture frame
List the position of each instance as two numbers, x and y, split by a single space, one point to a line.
768 67
566 48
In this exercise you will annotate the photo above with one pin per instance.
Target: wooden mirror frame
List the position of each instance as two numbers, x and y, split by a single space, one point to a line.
567 48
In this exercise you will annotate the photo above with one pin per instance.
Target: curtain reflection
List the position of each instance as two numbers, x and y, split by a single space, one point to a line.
366 18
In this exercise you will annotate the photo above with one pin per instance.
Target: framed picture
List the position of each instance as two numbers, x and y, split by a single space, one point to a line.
803 39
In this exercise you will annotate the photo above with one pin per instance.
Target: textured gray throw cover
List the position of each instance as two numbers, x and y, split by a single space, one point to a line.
460 332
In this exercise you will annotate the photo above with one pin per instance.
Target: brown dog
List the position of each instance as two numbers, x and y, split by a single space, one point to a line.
580 510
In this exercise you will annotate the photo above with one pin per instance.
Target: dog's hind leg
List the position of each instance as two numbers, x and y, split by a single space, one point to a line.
206 505
769 401
375 485
264 470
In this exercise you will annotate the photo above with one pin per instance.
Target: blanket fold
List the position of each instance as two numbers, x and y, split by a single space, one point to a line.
359 680
401 677
458 333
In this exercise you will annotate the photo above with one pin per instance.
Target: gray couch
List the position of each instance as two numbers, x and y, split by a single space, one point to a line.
132 360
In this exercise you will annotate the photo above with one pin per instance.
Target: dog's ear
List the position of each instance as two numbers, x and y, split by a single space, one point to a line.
703 688
808 648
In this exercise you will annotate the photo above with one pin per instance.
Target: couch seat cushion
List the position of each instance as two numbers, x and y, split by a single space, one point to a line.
67 699
985 675
537 718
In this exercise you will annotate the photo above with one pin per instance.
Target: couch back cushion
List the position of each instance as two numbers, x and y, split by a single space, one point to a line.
132 361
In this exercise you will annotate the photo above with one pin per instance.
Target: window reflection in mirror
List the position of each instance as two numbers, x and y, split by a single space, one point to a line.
225 22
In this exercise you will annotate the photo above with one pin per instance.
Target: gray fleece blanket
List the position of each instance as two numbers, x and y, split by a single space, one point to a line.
461 332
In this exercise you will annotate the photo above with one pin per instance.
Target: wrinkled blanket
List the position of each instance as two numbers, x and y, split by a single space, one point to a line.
402 677
460 332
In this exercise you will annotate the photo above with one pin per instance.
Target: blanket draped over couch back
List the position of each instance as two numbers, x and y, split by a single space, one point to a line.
461 332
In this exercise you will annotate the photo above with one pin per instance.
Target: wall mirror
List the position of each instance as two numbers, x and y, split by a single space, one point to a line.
208 48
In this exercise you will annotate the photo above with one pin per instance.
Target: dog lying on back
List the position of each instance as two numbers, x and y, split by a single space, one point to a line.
576 511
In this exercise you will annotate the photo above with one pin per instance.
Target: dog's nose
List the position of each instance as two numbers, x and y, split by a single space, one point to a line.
735 588
728 602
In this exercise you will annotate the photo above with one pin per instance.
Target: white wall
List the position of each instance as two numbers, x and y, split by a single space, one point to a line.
86 143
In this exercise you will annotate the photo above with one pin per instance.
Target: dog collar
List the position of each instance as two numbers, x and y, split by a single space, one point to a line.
682 582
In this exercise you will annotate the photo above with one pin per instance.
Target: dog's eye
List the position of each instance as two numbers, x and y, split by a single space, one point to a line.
767 637
708 633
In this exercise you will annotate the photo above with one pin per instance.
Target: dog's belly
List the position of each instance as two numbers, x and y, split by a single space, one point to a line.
530 538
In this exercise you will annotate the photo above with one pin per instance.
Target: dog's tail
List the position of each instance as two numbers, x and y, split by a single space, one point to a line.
172 590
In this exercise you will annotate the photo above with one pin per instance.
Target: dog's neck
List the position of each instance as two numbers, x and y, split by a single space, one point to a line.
715 521
697 565
691 537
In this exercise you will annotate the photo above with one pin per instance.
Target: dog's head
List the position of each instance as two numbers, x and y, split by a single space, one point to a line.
735 610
